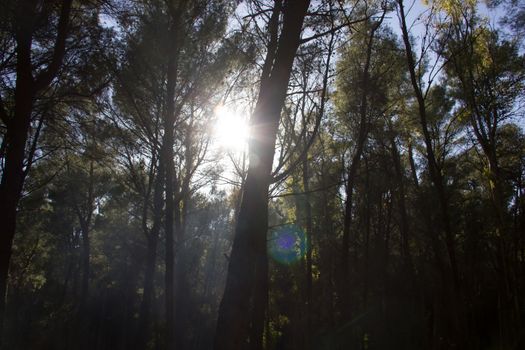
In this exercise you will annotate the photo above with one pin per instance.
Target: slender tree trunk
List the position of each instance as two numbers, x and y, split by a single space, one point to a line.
457 323
368 219
327 312
435 172
169 170
412 163
86 252
182 292
386 262
169 223
85 226
309 243
144 323
180 289
401 200
352 171
248 256
485 130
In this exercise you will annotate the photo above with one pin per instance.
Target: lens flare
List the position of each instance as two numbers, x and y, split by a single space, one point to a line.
287 244
231 129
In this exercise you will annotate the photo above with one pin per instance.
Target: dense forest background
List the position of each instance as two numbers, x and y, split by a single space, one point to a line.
262 174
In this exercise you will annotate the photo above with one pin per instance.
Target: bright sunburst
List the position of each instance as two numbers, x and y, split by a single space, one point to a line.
231 131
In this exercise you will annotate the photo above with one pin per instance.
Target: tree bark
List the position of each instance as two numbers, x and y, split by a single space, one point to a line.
248 255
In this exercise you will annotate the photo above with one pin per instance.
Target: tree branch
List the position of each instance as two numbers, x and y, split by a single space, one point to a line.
333 30
45 78
310 141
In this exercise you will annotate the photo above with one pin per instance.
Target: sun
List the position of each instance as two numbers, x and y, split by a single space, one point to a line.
231 131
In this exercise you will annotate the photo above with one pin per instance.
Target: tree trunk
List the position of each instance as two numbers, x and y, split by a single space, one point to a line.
13 174
86 251
12 183
259 301
152 237
435 172
85 226
309 241
182 292
248 254
168 230
368 221
457 321
401 201
18 126
412 163
352 171
180 289
143 331
169 164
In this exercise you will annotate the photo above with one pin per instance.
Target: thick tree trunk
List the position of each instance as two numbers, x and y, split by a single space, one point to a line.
18 126
259 301
11 185
248 256
13 173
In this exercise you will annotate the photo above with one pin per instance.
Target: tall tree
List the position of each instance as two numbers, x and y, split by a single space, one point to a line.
438 181
247 269
489 77
39 39
356 106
